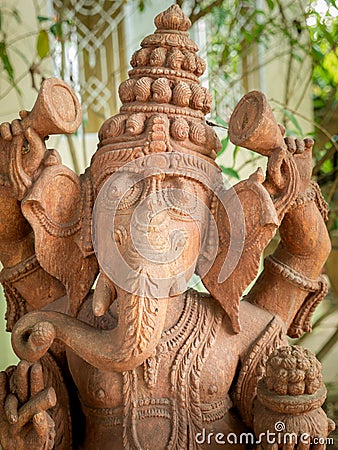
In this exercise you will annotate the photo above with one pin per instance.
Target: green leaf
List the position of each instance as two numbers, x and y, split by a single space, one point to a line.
16 15
293 120
230 172
43 19
234 155
6 62
327 166
8 66
224 143
221 121
271 4
56 29
42 44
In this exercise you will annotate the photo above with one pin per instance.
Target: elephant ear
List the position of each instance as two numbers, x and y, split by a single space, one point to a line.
59 210
246 221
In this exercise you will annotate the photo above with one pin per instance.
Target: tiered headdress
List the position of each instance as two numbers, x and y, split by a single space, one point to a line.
163 102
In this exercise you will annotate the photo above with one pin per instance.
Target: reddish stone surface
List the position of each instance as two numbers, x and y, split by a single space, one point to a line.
145 361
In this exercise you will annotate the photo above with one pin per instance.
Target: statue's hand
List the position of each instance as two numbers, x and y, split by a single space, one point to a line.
301 149
305 431
24 421
287 411
21 154
289 169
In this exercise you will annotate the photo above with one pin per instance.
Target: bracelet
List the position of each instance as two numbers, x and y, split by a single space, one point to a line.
292 276
317 289
286 404
312 193
302 323
20 270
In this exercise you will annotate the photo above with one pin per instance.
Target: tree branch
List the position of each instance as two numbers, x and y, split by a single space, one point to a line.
203 12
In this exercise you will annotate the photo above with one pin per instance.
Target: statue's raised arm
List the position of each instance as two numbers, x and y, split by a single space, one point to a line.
290 285
23 158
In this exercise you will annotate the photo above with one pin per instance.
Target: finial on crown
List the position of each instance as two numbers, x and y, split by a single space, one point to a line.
172 19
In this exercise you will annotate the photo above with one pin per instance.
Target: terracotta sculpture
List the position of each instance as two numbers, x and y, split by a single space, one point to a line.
144 362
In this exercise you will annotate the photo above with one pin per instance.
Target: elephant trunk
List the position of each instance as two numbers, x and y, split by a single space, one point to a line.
140 325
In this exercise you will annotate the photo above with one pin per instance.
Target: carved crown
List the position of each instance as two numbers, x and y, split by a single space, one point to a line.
163 102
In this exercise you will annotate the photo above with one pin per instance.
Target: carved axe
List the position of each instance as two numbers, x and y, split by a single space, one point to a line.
56 111
252 125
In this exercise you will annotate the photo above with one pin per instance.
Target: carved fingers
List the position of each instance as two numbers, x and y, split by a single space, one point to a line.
5 131
37 149
22 156
11 408
19 381
301 149
9 130
289 172
24 402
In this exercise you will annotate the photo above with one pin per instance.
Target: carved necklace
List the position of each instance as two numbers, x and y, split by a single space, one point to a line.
188 342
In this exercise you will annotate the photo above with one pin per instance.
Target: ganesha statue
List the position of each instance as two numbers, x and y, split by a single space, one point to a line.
143 360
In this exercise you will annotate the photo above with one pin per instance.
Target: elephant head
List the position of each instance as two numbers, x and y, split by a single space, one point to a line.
149 223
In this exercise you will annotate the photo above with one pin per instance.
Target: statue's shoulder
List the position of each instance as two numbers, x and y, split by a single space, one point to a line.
253 319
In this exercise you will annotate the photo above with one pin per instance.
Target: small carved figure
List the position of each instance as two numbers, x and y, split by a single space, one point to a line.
144 361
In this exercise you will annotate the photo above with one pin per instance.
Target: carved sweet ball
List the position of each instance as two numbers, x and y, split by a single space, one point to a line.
201 99
133 61
197 97
161 90
126 91
293 370
179 129
207 104
158 57
142 89
172 19
135 124
182 94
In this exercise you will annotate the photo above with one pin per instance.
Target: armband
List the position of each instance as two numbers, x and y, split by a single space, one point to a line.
317 289
312 193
